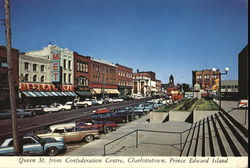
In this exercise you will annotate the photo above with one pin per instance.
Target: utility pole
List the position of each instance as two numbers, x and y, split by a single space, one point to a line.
17 149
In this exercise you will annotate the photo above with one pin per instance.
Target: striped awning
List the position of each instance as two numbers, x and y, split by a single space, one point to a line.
47 94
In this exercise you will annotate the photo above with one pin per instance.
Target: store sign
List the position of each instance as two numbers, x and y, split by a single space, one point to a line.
55 66
45 87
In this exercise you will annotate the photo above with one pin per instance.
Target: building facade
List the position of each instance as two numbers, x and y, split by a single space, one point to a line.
103 78
124 80
47 76
229 89
4 85
243 73
207 79
82 72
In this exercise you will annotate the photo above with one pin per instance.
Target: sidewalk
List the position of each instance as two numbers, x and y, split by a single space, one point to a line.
150 144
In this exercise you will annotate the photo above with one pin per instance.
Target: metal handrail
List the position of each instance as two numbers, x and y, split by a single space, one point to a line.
181 132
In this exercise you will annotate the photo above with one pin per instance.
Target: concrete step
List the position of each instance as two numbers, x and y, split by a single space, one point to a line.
229 145
206 145
224 147
237 136
237 124
189 141
193 147
213 139
200 138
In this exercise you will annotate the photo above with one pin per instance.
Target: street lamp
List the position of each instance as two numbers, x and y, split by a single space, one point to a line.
220 73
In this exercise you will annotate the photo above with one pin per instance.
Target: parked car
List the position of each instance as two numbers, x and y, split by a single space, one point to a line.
38 109
34 145
72 133
51 109
243 103
102 126
110 116
94 102
85 103
5 115
66 106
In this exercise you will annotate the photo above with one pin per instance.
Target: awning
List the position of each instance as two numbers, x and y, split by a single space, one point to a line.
97 90
47 94
113 91
83 93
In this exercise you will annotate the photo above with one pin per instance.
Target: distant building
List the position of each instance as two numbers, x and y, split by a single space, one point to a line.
4 84
206 78
229 89
145 83
124 79
103 78
243 73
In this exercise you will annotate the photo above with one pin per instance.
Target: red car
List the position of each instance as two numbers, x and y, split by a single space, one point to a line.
102 126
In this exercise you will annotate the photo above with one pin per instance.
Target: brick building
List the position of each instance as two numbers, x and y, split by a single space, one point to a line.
103 78
4 86
82 72
124 79
205 78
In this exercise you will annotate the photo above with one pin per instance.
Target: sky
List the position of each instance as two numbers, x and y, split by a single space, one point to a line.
165 36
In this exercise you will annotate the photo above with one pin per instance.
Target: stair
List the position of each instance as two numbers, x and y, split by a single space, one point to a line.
216 135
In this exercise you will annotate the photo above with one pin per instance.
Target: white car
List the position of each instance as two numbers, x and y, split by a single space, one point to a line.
64 107
50 109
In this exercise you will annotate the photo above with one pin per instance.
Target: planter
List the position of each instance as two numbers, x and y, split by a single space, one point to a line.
178 115
158 117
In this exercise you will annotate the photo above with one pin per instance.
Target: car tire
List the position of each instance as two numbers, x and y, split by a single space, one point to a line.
52 151
21 116
85 105
88 138
63 109
107 130
137 117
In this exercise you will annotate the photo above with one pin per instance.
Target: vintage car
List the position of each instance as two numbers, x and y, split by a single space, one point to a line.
102 126
34 145
66 106
20 114
71 133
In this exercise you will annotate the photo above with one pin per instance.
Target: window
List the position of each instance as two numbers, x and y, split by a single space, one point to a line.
42 78
34 67
77 66
64 77
26 77
64 64
69 64
34 78
59 131
42 68
26 65
27 141
69 76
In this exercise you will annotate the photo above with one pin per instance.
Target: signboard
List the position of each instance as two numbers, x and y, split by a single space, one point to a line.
56 66
44 87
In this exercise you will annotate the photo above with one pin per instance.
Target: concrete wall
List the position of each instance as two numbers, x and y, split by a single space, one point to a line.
178 115
158 117
198 115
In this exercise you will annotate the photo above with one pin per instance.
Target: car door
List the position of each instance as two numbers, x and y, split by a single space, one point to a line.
31 146
70 135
